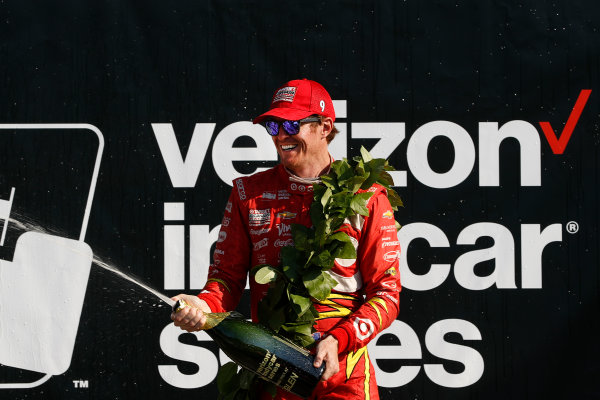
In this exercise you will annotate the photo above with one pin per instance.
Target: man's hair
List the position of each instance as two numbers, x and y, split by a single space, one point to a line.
334 130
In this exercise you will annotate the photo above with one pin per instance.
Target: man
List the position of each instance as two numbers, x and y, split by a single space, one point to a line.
256 225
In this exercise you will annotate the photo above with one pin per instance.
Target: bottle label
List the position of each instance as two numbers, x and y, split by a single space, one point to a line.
291 382
270 367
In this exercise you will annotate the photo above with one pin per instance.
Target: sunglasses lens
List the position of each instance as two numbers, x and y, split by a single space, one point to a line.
291 127
272 127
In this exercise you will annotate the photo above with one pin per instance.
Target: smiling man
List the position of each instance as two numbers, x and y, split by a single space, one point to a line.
257 224
300 122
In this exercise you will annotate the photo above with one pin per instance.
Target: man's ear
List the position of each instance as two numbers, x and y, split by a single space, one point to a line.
327 126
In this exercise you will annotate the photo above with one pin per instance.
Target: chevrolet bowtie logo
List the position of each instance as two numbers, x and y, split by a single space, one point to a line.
286 215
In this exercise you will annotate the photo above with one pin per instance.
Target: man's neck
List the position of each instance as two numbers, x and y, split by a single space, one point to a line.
313 170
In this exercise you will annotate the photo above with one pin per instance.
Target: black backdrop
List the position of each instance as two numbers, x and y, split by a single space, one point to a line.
124 65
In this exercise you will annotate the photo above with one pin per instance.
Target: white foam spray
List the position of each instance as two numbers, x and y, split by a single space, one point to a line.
26 224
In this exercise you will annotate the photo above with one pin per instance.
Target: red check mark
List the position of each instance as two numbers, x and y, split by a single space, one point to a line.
558 144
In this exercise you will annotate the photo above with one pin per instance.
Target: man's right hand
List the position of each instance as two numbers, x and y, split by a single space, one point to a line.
190 318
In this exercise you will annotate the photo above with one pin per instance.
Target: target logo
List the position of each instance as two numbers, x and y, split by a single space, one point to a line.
364 328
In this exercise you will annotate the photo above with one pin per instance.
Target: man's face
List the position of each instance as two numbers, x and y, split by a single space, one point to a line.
306 148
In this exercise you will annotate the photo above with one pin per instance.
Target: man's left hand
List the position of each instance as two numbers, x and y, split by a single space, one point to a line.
327 350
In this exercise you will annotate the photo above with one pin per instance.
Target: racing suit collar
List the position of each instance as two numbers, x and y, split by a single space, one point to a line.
307 181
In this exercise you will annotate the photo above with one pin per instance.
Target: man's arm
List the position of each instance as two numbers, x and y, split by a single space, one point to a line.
378 254
227 273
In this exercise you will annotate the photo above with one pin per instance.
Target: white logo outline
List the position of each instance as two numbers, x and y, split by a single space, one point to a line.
86 215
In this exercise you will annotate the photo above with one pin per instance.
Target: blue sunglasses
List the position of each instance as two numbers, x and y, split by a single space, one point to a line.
290 127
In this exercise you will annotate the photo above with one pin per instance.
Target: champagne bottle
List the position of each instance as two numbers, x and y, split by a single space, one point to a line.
258 349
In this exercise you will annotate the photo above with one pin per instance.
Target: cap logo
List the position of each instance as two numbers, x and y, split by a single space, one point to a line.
285 94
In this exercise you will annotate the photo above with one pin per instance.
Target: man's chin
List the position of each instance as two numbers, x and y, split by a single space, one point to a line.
289 161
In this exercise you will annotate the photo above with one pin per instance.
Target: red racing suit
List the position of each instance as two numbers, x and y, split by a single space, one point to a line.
257 224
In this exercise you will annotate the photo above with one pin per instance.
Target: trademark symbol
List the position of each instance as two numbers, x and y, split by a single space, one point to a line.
572 227
81 384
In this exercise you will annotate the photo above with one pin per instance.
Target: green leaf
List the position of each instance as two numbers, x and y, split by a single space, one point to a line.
336 222
308 317
355 183
291 273
341 199
320 233
345 250
300 304
330 283
342 169
312 279
289 255
227 377
318 191
266 274
271 308
304 340
375 169
257 267
366 156
324 259
318 284
360 169
298 329
359 203
394 199
273 319
326 197
385 179
340 237
329 181
316 213
247 378
300 236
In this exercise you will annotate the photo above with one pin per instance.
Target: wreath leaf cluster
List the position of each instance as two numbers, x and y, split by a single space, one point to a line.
302 275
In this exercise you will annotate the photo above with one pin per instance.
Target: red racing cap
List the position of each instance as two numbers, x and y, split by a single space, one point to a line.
299 99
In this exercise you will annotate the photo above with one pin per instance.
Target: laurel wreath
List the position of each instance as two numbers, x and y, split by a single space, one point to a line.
302 277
